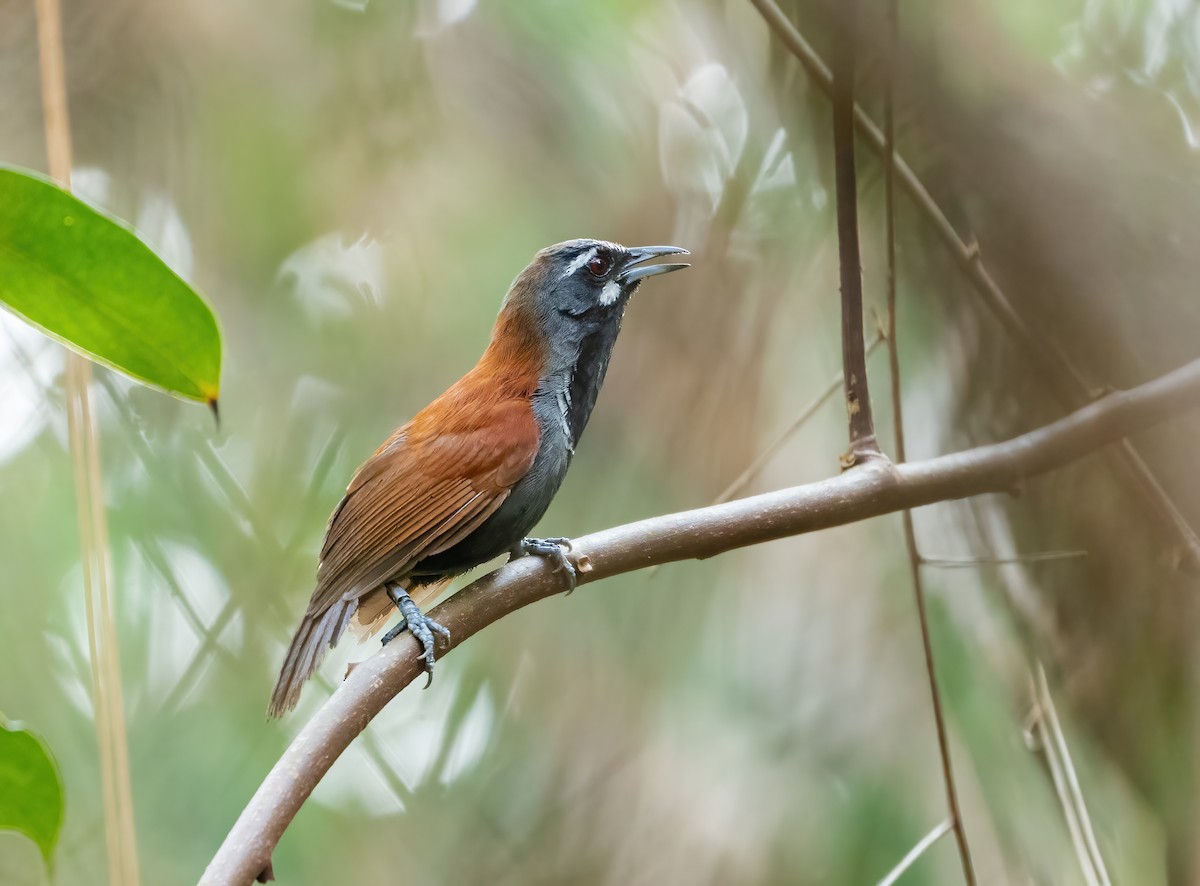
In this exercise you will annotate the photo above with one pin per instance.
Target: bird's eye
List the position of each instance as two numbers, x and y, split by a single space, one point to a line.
599 265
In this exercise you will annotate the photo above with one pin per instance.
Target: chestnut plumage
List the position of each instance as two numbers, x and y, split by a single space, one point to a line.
472 472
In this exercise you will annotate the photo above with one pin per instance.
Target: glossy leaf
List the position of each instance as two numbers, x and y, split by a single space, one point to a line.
31 791
86 279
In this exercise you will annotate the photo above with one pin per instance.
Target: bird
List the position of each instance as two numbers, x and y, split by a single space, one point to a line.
469 476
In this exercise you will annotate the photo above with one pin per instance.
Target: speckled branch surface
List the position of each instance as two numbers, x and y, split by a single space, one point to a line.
869 490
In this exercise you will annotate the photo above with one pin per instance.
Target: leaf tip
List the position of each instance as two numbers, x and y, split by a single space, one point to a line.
216 411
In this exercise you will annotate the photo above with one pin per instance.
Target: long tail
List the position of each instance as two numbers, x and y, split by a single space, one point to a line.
313 639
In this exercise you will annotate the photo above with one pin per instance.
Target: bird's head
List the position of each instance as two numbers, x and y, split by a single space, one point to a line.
578 289
594 278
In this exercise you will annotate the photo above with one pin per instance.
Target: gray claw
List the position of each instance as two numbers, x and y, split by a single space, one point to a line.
421 626
554 549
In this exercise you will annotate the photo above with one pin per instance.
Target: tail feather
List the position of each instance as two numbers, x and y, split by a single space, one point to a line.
316 636
373 612
313 639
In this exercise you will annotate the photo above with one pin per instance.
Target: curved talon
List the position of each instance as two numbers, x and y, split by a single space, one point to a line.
421 626
555 549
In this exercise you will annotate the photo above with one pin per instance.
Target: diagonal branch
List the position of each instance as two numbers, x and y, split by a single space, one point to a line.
874 488
772 449
764 458
1068 384
915 853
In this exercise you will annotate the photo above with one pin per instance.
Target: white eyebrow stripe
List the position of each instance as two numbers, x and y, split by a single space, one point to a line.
578 262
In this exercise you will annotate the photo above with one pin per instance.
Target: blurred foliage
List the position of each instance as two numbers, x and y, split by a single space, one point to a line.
355 183
87 281
31 791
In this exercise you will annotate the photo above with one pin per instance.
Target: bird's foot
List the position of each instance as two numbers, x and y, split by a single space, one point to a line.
421 626
554 549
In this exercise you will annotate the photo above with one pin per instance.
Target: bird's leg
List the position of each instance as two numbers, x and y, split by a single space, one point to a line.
553 549
421 626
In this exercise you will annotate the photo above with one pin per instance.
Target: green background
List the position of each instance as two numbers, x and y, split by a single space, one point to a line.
353 186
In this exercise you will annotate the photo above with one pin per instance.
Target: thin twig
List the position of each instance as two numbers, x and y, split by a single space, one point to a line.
1066 381
973 562
910 535
863 444
101 708
1066 784
103 649
875 488
916 852
110 648
764 457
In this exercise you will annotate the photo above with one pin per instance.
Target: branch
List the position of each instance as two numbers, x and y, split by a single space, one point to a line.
772 449
863 444
874 488
910 533
1065 379
980 562
915 853
1049 731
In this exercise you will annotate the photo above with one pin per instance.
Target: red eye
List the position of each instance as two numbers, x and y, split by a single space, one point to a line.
599 265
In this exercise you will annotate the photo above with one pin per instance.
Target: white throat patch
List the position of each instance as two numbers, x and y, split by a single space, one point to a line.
610 293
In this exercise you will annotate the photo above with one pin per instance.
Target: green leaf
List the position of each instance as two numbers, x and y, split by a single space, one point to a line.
86 279
31 791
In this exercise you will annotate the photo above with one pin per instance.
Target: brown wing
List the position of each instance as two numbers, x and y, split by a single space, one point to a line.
418 498
435 481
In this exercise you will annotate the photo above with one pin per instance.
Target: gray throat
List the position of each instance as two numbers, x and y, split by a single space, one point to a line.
566 398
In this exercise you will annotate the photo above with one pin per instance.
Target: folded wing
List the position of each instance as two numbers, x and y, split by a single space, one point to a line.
420 494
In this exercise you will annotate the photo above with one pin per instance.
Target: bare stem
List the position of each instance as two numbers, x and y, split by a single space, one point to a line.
854 354
103 650
1066 785
910 535
877 488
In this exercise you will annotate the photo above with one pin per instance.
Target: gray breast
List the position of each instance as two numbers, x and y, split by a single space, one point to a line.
562 405
526 503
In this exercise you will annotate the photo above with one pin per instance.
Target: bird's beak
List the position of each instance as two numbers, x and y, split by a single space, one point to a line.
639 254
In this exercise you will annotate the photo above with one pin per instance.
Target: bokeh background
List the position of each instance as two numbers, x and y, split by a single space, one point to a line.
353 183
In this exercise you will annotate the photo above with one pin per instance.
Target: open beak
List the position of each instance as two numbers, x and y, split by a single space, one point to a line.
634 269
